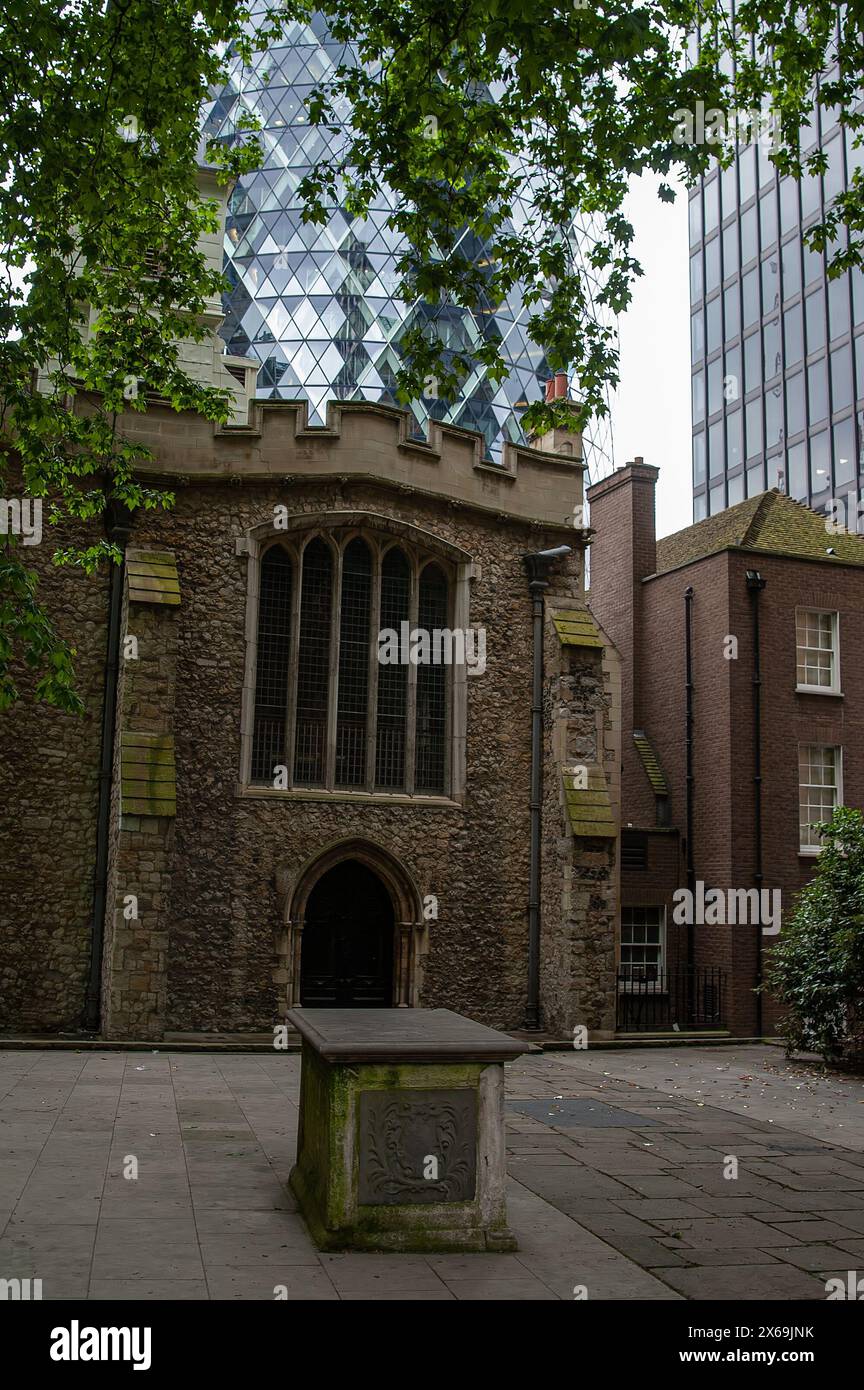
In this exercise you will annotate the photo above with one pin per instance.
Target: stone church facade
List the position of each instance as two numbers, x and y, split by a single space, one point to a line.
260 747
256 812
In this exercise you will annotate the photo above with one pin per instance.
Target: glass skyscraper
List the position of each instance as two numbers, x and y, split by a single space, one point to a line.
777 348
319 305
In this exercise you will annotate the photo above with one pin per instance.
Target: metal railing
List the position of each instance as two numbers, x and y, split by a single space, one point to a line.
655 1000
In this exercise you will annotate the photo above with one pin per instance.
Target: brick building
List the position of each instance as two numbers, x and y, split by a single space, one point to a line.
770 744
255 811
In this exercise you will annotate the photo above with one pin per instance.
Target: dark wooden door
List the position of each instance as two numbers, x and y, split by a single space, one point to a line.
347 953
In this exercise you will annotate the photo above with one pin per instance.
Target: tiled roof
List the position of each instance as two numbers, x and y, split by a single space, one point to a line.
147 773
576 628
152 576
650 763
770 522
589 808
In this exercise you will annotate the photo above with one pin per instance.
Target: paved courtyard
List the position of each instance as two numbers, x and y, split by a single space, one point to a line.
617 1163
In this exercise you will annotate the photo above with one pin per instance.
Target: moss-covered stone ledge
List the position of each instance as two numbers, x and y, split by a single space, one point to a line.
401 1140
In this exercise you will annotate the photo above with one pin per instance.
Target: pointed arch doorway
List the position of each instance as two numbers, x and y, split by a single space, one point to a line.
353 934
346 959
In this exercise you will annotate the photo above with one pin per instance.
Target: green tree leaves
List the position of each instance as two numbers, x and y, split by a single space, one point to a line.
102 275
817 965
467 110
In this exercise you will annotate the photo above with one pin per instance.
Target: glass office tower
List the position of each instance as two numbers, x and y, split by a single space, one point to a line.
319 305
777 348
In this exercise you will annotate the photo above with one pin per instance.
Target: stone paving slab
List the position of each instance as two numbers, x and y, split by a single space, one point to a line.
762 1282
620 1181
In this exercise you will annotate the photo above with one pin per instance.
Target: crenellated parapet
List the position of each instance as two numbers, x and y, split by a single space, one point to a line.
369 443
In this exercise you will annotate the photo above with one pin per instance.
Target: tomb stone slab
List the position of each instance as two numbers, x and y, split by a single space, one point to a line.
401 1136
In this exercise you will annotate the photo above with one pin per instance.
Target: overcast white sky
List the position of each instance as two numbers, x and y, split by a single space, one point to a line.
651 414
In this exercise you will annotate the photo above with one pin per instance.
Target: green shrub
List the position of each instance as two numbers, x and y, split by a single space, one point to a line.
817 967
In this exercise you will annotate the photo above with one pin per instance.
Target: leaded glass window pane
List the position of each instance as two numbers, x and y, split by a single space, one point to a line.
354 639
271 664
431 687
392 677
313 671
363 606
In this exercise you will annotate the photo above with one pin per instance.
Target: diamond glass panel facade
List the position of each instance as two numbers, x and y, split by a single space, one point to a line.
319 305
777 348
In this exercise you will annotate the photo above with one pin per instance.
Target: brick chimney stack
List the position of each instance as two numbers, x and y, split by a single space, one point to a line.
559 441
623 552
558 387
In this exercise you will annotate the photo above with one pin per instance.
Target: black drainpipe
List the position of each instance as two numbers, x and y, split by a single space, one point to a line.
755 585
691 781
537 566
117 526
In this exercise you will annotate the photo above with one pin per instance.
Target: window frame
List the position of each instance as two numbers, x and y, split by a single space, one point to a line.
381 534
834 688
638 981
812 850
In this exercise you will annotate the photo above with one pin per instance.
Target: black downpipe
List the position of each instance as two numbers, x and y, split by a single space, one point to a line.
537 588
117 526
755 585
537 566
691 780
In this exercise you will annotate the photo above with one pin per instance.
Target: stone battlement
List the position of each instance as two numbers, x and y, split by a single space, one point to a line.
365 441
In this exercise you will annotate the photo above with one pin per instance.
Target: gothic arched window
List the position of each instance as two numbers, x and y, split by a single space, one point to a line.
339 702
